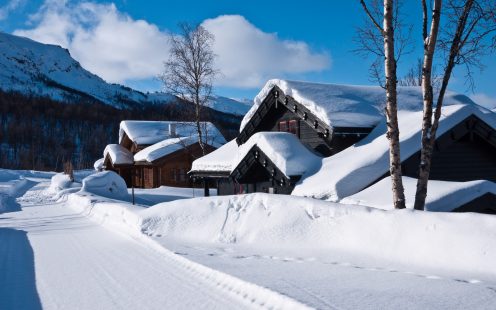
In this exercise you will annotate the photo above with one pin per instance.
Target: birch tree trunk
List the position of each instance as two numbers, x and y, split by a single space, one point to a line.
457 43
428 101
391 107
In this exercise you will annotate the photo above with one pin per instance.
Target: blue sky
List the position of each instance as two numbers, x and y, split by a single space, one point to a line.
256 40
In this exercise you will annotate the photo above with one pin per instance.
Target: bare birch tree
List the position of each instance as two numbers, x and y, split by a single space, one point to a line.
368 38
469 32
189 72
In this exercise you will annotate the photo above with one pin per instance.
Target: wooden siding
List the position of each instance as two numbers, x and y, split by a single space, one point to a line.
461 154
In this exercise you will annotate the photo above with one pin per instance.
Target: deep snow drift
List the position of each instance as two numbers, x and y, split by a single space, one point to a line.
441 196
460 241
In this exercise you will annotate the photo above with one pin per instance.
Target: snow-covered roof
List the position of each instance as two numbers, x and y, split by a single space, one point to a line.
284 150
220 160
118 154
151 132
441 195
163 148
346 105
351 170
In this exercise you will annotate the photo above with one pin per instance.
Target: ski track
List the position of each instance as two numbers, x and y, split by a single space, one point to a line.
77 264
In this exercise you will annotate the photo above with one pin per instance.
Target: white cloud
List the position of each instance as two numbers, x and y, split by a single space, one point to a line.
9 7
248 56
484 100
116 47
105 41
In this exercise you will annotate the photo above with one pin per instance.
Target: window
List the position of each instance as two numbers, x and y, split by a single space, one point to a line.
291 126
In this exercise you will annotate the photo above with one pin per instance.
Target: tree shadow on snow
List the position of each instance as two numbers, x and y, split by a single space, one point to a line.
17 275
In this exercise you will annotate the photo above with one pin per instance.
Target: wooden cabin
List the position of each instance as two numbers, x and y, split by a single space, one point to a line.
346 115
159 153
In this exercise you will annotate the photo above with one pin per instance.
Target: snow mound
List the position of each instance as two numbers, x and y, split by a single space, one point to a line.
441 195
346 105
356 167
98 165
106 184
118 154
59 182
461 241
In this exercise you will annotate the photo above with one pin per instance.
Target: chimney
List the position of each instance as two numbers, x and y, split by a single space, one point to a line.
172 129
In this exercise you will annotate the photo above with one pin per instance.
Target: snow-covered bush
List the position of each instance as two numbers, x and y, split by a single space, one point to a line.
107 184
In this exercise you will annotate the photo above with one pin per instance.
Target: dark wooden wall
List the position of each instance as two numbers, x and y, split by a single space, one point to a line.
468 158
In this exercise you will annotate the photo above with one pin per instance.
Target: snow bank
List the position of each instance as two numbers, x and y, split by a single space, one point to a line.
441 195
448 241
346 105
118 154
12 185
356 167
106 184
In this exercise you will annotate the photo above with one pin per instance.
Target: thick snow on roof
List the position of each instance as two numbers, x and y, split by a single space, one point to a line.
118 154
441 195
151 132
284 150
346 105
353 169
163 148
220 160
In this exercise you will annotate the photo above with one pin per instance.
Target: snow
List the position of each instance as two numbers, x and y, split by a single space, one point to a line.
59 182
98 165
106 184
356 167
220 160
229 105
267 221
441 195
284 150
346 105
151 132
152 196
248 251
118 154
49 70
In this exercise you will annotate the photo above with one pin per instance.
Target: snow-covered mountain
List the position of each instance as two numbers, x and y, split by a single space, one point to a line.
49 70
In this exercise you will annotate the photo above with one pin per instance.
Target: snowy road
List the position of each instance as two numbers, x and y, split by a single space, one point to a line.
51 257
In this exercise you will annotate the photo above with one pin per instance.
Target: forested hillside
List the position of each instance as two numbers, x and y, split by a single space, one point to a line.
41 133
